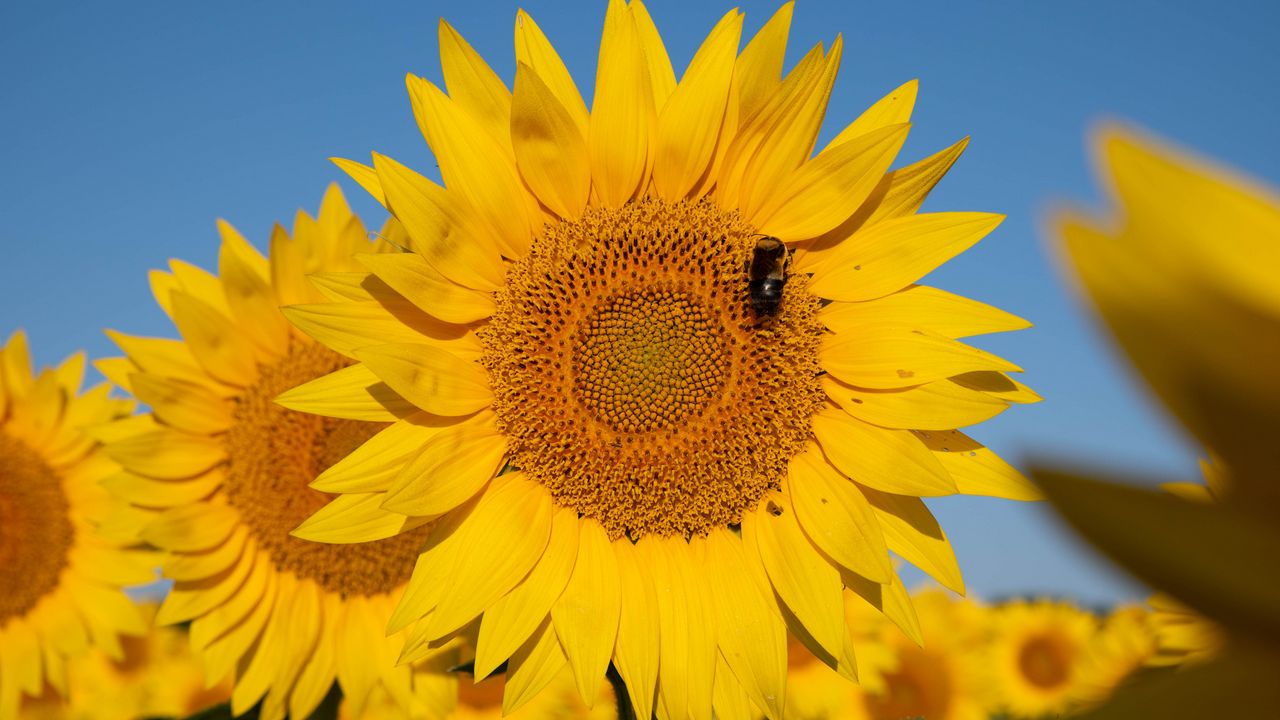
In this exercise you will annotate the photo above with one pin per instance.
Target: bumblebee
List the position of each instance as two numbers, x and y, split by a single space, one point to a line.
767 275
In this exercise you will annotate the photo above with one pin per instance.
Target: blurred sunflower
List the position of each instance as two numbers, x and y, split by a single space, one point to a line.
218 475
685 384
63 555
1035 655
1185 279
158 676
941 680
1122 646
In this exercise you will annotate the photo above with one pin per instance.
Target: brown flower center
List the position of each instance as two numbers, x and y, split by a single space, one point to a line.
921 686
633 378
1045 661
275 453
36 533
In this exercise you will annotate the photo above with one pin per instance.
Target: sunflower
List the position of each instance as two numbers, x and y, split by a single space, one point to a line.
1035 656
1122 646
63 556
685 388
218 475
1184 276
899 678
157 677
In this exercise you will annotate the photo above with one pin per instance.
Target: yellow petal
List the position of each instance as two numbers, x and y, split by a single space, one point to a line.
690 121
806 582
194 566
353 392
514 618
473 85
1209 556
245 277
355 518
752 637
424 286
215 341
187 600
886 358
793 128
892 109
533 666
759 68
503 537
165 358
636 654
586 615
148 492
836 516
623 115
920 307
441 228
977 470
686 640
364 175
373 465
940 405
348 327
892 600
454 464
182 405
550 149
432 379
167 454
912 532
200 284
998 385
890 255
474 165
191 528
903 191
661 76
821 194
533 49
890 460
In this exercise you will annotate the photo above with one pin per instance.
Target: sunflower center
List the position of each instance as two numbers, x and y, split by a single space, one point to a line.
921 686
36 533
632 377
274 454
1043 661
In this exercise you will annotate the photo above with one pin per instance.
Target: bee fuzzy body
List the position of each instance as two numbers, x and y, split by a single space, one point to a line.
767 275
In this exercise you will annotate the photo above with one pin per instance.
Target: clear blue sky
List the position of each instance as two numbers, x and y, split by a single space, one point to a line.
127 128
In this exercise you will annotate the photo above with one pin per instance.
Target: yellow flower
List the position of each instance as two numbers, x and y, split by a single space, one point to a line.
157 677
1035 654
218 475
63 554
1182 634
1125 643
632 453
943 680
1185 277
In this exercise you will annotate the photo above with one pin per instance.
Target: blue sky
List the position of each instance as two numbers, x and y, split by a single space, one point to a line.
128 128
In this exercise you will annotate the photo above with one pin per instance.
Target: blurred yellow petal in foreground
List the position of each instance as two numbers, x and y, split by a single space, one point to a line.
1184 276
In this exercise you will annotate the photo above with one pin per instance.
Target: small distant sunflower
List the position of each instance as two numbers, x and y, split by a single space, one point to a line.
940 681
63 560
1125 643
648 449
1036 651
218 475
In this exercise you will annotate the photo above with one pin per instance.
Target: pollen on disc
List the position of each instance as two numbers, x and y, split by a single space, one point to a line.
634 381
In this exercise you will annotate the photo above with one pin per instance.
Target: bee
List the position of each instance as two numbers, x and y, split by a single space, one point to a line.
768 275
